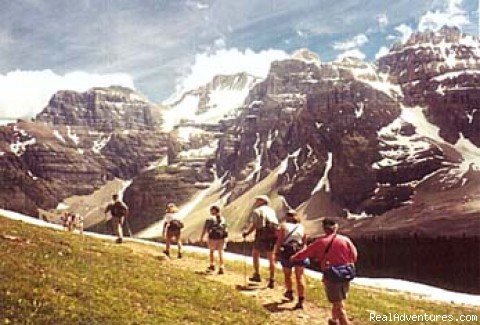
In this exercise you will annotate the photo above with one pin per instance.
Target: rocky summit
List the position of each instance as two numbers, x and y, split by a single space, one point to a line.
388 146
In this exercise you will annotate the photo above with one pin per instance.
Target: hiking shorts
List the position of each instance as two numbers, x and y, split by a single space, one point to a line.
336 291
117 221
216 244
263 245
288 264
173 233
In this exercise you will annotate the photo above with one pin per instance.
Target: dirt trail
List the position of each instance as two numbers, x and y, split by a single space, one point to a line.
281 312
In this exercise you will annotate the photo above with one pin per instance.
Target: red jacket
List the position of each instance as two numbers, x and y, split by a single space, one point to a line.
341 252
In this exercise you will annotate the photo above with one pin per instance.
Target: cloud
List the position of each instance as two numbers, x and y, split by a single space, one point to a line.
451 14
353 53
382 52
382 20
23 94
405 32
356 41
197 5
227 61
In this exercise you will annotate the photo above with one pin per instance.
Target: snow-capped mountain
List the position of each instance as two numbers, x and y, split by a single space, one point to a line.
209 103
390 146
348 139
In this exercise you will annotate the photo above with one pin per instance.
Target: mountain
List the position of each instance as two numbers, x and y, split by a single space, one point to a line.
384 147
77 143
211 102
351 140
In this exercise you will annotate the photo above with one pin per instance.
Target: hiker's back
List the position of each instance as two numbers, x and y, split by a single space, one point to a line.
118 209
263 216
217 228
295 231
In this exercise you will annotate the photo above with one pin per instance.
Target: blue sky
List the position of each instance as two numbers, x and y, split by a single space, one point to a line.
156 42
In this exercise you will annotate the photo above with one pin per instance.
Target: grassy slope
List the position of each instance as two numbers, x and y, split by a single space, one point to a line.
362 301
60 278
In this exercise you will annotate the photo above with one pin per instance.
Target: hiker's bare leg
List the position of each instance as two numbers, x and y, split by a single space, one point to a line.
119 229
212 258
271 258
287 272
167 243
256 260
179 244
338 312
220 257
300 280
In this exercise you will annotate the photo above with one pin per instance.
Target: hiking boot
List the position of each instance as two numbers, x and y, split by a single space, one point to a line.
299 304
211 268
289 295
167 253
332 322
220 271
179 255
271 284
119 240
255 278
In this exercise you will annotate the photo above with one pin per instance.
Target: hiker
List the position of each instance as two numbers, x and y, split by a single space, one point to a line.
336 255
71 221
291 239
264 222
80 223
172 229
119 212
64 220
216 228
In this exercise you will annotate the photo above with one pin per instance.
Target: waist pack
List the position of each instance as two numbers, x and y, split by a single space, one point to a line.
340 273
175 225
217 231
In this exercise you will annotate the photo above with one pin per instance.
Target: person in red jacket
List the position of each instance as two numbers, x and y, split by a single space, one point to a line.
341 252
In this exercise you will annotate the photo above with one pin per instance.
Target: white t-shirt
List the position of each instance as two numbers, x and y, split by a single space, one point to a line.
261 214
169 217
297 232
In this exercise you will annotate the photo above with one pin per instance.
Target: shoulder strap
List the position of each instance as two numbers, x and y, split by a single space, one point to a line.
327 249
290 234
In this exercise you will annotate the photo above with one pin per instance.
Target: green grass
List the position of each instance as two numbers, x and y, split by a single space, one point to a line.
362 301
60 278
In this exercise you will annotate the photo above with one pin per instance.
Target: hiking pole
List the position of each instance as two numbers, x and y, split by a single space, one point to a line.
245 261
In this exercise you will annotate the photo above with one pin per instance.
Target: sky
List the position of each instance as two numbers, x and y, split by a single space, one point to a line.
160 47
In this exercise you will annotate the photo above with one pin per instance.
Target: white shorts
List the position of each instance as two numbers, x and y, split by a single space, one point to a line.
216 244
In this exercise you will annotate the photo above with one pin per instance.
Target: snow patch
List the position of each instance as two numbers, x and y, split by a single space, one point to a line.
18 148
324 183
57 135
72 136
98 145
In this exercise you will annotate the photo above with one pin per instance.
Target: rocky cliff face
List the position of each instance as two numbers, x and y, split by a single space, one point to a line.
102 109
351 139
79 141
440 71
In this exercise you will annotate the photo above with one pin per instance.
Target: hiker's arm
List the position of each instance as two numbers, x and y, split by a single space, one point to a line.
204 231
353 251
249 230
281 235
309 251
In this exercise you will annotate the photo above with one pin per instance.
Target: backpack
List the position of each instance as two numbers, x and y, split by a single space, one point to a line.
175 225
119 209
290 247
217 230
